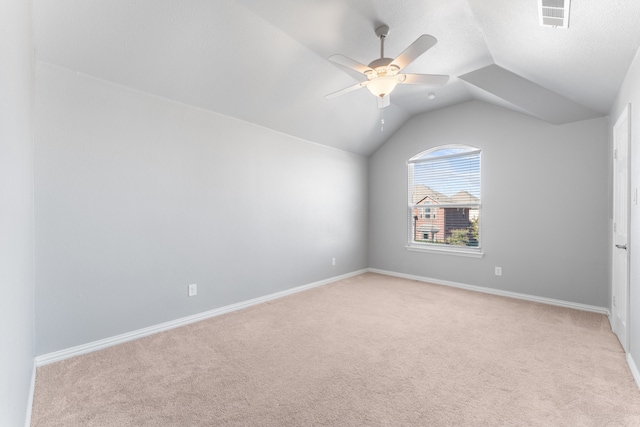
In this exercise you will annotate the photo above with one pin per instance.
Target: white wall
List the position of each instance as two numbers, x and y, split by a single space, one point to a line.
137 197
16 211
544 200
630 94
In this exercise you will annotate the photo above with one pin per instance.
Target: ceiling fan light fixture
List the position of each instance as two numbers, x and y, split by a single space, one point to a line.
383 85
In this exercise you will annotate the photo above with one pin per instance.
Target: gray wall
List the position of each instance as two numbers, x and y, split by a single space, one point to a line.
137 197
544 196
16 211
630 94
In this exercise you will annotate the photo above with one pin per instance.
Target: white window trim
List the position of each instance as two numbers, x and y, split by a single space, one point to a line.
446 250
417 159
471 252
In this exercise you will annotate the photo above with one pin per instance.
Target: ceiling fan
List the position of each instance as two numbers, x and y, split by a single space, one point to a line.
383 74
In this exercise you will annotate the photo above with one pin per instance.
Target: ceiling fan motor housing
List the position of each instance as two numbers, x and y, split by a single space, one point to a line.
382 68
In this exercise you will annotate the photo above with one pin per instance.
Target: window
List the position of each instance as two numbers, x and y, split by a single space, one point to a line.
447 179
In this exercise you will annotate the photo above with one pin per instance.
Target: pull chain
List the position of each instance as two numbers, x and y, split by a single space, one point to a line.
382 120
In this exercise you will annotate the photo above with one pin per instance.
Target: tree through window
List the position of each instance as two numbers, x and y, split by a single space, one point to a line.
444 198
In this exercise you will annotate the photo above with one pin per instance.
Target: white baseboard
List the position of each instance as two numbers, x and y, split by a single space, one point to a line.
57 356
32 391
526 297
634 369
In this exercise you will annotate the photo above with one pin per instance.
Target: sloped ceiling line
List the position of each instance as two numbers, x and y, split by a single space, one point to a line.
267 62
528 96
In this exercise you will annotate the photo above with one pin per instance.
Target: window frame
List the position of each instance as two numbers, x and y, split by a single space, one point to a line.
468 251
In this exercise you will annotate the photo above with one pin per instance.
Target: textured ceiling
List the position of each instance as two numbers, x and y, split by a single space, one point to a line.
267 61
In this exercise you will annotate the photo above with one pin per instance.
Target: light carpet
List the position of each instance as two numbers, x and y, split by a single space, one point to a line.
371 350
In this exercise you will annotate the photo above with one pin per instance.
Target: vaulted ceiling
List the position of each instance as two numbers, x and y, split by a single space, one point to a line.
267 61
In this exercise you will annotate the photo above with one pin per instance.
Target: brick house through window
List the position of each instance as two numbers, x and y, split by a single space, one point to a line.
435 224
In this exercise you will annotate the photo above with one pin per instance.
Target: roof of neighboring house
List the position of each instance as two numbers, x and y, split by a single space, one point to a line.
464 197
422 194
427 228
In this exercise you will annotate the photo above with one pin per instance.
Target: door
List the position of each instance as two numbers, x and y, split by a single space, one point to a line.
620 251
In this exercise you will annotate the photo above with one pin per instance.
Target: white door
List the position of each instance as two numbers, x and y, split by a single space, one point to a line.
620 261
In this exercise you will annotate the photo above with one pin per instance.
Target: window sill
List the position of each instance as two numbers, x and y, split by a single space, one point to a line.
472 253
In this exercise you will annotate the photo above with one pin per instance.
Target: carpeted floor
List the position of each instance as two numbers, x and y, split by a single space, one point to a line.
371 350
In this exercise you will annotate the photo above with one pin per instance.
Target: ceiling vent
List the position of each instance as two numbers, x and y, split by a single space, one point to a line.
554 13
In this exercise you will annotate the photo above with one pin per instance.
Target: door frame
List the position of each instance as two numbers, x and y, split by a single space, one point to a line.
625 115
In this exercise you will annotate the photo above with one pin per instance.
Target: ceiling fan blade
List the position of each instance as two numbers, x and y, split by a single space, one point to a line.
346 90
384 101
415 49
349 63
424 79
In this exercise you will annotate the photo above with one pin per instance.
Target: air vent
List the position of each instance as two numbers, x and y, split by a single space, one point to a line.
554 13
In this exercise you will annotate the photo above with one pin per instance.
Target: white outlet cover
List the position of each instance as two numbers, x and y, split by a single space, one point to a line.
193 289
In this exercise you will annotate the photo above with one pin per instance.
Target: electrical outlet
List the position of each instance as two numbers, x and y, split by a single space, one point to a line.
498 271
333 261
193 290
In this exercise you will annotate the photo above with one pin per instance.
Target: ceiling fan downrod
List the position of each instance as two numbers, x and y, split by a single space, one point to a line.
382 32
